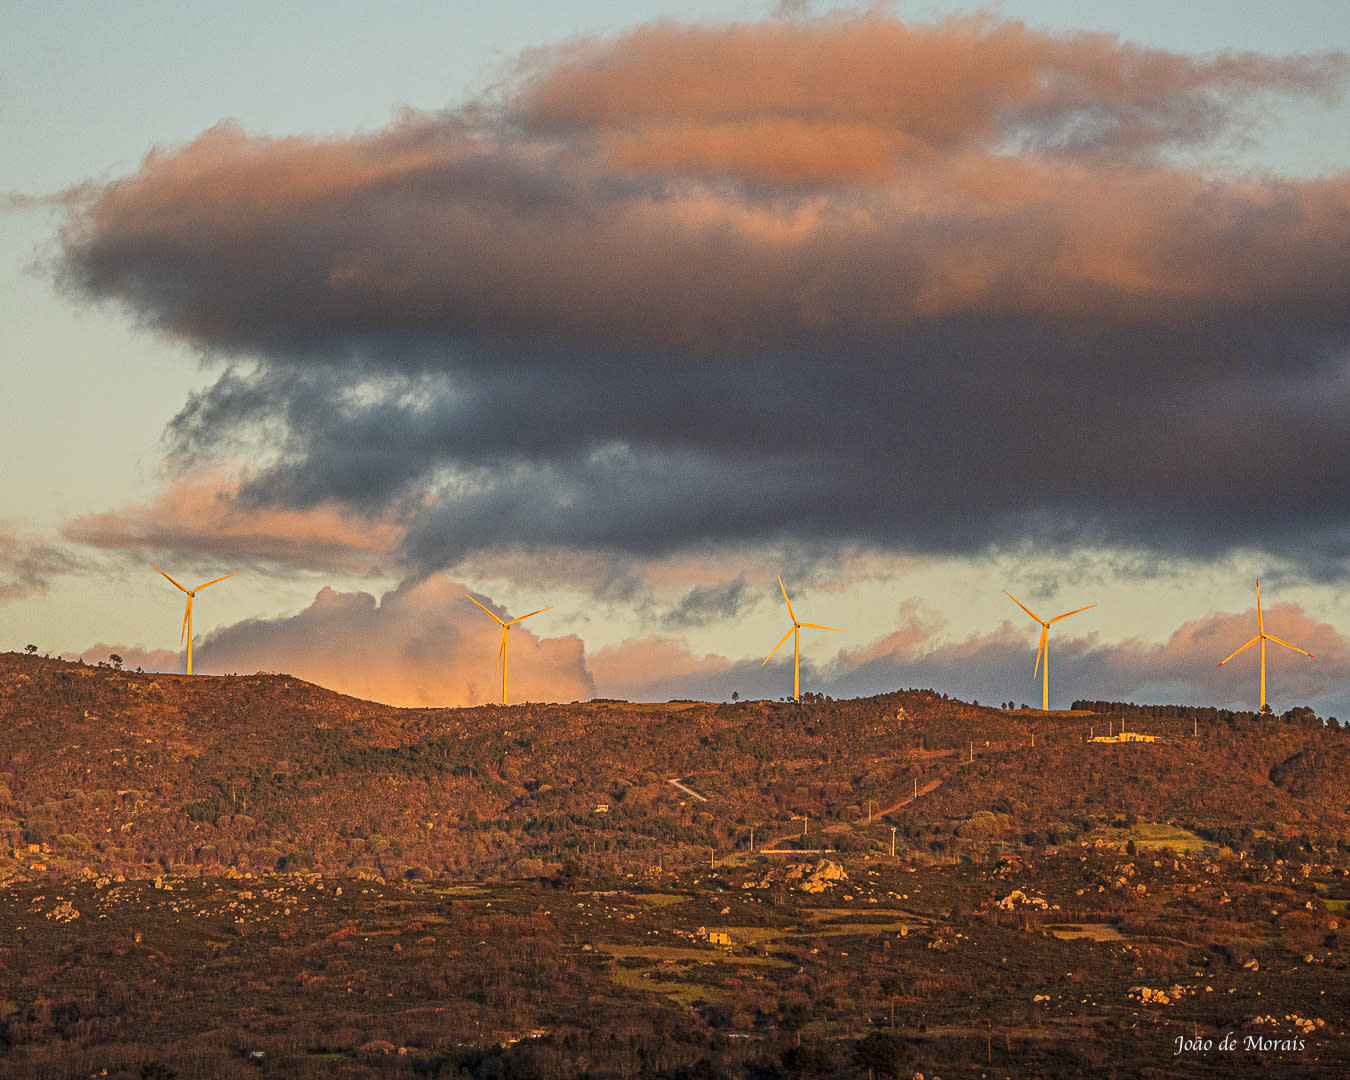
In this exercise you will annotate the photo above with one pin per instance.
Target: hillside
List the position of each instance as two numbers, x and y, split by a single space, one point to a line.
113 771
220 878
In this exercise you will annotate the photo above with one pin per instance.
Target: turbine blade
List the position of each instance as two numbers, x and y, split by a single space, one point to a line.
1023 606
1236 651
1260 620
778 646
167 576
1286 644
486 612
1040 653
532 613
791 614
187 615
218 580
1068 613
817 626
501 651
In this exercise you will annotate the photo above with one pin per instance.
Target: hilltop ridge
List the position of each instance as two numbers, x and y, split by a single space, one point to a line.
137 773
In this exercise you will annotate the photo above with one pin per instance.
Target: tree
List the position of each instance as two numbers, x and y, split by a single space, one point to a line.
31 650
116 661
880 1054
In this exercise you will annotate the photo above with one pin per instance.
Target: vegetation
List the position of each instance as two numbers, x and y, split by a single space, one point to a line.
217 877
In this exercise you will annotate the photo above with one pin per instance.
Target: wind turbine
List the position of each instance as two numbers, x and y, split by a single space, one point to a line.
796 644
1262 637
187 615
1043 653
506 629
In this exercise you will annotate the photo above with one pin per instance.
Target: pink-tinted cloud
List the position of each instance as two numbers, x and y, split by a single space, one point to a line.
202 513
421 644
998 665
867 98
134 657
658 669
424 644
1196 647
504 240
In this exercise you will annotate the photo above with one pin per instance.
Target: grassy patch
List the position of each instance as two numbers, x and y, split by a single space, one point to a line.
1151 836
1155 835
660 900
651 706
693 955
682 993
1090 931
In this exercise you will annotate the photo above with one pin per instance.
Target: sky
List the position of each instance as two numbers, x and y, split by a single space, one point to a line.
627 310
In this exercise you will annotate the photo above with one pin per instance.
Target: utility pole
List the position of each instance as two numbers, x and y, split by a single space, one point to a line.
892 853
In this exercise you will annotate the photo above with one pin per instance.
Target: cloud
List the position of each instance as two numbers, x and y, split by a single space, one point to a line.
27 564
420 644
851 97
945 288
134 657
659 669
708 603
424 644
202 514
998 666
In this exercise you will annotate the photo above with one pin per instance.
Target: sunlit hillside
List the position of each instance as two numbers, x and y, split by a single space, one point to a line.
111 771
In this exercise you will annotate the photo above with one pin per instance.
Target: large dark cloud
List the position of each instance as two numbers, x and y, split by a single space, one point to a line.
935 288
